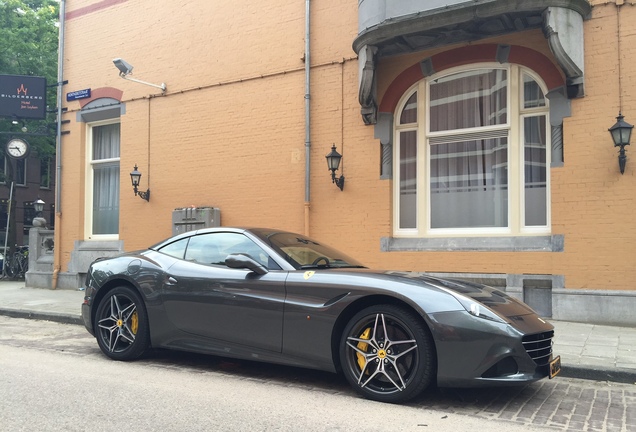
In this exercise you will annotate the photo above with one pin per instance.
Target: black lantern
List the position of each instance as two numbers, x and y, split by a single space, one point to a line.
621 134
38 205
135 176
38 220
333 162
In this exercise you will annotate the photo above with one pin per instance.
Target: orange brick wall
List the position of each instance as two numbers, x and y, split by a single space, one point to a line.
229 133
594 202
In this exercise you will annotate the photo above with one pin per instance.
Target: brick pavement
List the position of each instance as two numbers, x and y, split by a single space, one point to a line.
561 404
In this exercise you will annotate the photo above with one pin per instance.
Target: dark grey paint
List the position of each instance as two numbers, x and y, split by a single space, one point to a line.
296 317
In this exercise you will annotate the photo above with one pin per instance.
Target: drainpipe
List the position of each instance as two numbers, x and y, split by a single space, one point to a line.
307 120
58 149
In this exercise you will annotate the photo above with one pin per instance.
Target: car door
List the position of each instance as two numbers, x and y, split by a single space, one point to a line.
204 297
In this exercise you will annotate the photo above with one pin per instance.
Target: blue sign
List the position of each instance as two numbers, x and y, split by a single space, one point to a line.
79 94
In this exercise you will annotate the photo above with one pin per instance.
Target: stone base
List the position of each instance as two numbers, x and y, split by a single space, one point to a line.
71 281
35 279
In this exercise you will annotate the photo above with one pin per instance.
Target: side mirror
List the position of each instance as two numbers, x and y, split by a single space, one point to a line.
242 261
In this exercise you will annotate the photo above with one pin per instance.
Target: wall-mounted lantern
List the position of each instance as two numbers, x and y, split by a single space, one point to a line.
621 134
333 162
135 176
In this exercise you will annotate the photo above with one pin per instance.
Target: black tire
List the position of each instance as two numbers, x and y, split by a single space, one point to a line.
387 354
121 324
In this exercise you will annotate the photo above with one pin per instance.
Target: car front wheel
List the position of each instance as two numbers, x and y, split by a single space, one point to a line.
387 354
121 324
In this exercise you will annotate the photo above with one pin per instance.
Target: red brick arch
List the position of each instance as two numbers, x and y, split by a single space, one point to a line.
470 54
102 92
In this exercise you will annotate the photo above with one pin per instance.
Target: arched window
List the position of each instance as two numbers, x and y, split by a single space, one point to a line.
472 154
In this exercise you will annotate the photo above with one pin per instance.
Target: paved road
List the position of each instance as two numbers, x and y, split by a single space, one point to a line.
559 405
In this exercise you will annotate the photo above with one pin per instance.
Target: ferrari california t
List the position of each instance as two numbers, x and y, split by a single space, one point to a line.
275 296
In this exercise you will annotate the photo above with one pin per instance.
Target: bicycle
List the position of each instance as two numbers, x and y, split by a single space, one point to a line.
18 264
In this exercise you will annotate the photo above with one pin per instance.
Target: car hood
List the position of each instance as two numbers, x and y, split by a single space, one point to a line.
496 300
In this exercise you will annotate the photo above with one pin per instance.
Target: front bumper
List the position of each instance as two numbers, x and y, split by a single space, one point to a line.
475 352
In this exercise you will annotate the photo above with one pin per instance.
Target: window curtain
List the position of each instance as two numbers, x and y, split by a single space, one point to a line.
467 172
469 100
469 184
408 165
106 179
535 156
408 179
535 171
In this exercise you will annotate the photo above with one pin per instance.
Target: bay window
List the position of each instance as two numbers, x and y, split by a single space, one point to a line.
471 155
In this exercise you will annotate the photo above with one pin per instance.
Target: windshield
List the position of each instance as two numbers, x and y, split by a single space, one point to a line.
305 253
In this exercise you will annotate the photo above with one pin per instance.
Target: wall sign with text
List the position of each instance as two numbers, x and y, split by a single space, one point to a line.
23 97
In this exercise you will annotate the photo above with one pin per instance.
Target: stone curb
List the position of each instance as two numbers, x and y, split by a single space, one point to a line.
43 316
617 375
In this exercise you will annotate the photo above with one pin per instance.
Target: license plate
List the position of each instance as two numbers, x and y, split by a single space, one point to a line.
555 366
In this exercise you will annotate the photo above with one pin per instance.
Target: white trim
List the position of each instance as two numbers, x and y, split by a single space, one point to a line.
515 160
398 128
88 192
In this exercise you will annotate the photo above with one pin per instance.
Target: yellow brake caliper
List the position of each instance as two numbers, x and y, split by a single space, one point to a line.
363 346
134 323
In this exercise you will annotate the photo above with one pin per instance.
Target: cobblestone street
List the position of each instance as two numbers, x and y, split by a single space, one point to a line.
560 404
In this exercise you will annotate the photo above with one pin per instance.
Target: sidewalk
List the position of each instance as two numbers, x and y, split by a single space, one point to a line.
589 351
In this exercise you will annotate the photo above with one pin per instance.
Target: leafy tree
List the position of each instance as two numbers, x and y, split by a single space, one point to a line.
29 46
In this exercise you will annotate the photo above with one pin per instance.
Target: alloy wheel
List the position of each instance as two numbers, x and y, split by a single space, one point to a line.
386 354
121 324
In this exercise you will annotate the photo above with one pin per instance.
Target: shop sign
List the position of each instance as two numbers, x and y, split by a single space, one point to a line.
22 97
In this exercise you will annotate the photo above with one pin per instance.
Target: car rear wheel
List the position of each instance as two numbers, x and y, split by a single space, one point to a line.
386 354
121 324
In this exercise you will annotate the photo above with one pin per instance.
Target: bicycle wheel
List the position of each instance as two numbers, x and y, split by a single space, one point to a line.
7 268
12 267
24 264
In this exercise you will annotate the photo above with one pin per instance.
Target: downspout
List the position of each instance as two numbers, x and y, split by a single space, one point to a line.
307 120
58 149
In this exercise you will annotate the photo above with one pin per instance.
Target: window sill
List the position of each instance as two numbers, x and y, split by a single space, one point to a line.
550 243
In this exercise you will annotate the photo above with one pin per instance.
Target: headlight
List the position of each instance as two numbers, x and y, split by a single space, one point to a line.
473 307
477 309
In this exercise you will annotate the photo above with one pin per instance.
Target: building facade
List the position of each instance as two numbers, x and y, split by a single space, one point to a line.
24 181
474 135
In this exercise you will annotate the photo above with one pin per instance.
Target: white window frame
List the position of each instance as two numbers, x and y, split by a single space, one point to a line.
516 179
88 201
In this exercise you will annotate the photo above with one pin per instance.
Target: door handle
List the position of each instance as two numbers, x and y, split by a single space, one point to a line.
171 281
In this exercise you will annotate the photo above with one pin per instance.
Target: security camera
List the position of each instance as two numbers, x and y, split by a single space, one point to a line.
124 67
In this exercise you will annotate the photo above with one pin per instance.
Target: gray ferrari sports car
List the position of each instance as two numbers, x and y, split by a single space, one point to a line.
275 296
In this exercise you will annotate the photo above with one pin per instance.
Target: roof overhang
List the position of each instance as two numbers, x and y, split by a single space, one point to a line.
389 28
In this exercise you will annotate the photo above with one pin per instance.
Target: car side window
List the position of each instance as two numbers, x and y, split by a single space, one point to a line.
176 249
203 249
213 248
